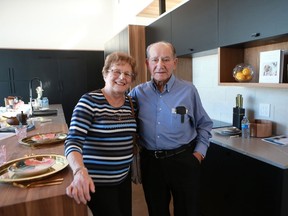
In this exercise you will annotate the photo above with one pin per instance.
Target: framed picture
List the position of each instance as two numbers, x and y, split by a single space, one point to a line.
271 66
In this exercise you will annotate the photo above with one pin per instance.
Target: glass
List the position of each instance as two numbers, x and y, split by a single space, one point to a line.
117 73
45 103
21 132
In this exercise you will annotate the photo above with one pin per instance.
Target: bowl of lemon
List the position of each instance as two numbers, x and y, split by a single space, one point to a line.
243 72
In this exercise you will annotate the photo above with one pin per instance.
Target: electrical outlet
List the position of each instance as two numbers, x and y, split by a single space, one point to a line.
264 110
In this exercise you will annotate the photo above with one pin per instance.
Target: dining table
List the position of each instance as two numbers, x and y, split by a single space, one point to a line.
50 200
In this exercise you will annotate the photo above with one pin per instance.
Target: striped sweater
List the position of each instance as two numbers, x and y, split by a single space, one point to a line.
103 135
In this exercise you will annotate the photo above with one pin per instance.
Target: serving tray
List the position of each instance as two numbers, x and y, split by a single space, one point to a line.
43 139
8 176
228 131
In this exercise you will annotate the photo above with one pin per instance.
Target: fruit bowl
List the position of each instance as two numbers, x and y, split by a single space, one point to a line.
243 73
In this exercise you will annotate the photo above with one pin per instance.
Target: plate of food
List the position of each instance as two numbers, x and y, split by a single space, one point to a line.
32 167
43 139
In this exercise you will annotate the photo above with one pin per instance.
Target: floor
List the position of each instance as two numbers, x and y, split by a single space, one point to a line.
139 207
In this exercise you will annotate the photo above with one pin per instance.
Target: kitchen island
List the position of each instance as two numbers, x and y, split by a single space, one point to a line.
244 177
47 200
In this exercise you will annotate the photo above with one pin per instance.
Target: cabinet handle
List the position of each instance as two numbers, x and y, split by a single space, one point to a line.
257 34
13 83
10 80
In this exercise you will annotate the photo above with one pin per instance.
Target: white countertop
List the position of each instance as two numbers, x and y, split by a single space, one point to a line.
255 148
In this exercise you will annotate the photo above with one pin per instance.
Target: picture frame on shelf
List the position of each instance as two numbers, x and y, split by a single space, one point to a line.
271 66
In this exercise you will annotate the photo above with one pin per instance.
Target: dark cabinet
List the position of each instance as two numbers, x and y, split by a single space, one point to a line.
13 67
243 21
72 83
43 65
236 184
65 75
195 26
160 30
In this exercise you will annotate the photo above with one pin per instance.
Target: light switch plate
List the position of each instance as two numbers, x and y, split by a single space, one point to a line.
264 110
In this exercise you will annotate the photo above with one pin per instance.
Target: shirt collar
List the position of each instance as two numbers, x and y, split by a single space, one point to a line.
167 86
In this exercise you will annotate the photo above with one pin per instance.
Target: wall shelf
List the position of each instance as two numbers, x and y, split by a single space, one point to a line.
256 85
230 56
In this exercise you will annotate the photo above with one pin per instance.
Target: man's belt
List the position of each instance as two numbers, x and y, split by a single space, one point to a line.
161 154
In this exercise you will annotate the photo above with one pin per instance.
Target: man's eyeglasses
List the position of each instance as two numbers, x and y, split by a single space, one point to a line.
117 73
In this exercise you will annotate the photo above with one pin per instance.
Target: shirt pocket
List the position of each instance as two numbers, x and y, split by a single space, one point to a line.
179 122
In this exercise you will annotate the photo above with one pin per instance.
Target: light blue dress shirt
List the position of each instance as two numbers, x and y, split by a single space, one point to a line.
160 127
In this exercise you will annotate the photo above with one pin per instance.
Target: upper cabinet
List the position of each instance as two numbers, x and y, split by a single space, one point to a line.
191 28
246 20
13 67
194 26
160 30
247 28
132 41
13 64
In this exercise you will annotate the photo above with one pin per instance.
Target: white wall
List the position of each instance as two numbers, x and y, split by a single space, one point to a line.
65 24
220 100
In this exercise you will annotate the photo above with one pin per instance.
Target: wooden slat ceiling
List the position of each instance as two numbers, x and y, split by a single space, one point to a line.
152 10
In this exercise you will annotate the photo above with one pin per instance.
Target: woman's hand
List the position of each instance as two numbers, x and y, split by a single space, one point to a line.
81 186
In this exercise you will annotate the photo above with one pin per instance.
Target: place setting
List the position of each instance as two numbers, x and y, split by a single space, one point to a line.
43 139
33 171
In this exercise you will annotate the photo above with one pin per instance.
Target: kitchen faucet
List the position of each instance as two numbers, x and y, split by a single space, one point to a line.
39 90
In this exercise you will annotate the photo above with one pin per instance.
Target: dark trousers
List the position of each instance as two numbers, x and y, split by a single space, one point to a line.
112 200
178 176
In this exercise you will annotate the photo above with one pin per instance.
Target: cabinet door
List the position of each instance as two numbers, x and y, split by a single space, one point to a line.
72 81
13 69
160 30
5 65
5 90
242 21
19 66
124 41
112 45
13 64
194 26
43 65
236 184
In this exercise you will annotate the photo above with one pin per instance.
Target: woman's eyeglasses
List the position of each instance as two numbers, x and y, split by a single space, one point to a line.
117 73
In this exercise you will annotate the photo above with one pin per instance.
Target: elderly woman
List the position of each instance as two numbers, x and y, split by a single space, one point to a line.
99 146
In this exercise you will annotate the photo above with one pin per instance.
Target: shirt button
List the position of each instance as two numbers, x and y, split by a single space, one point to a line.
158 137
158 122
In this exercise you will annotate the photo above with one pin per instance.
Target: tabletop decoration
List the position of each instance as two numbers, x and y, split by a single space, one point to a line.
243 72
